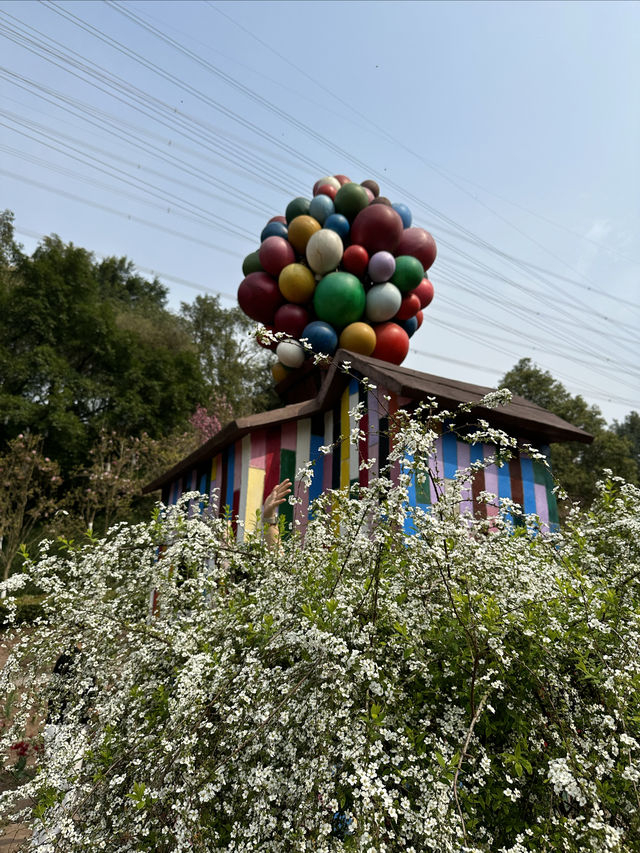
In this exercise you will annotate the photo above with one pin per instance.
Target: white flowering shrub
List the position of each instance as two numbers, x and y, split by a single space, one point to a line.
451 689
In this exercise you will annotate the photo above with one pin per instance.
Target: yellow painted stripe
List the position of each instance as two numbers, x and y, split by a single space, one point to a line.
214 468
255 491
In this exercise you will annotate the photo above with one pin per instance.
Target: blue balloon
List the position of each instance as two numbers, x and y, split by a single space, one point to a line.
321 336
338 223
321 206
404 213
274 229
410 326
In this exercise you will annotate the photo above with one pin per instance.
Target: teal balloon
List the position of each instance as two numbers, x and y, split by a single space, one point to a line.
339 299
298 207
321 206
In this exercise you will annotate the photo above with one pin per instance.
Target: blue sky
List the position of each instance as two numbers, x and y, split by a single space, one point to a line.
171 132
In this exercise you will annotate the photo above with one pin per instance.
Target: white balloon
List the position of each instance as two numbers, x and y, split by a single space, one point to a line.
324 251
290 353
330 181
383 302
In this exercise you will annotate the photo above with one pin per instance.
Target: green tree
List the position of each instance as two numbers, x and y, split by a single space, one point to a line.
86 347
630 429
577 466
235 366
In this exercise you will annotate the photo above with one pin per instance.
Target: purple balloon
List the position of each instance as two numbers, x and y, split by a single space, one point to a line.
382 266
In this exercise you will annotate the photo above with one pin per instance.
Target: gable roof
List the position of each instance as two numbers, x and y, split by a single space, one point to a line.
520 416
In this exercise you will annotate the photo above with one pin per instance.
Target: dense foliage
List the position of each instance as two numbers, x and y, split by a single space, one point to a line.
402 680
579 466
107 383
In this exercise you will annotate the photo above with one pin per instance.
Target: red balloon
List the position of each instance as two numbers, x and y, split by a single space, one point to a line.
275 254
355 260
291 319
409 306
392 343
282 219
378 228
343 179
424 291
419 318
259 297
419 244
327 189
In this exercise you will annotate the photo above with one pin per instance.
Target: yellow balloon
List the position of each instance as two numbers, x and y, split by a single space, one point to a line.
358 337
279 371
300 230
297 283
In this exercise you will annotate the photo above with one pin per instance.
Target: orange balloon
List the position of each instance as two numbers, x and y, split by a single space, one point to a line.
300 229
358 337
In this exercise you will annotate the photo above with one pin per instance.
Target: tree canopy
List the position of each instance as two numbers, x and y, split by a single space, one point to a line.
86 346
579 466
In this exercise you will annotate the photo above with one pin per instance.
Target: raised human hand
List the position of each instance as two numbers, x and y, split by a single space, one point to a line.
277 496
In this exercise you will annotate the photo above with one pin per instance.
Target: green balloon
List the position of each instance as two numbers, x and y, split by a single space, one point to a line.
298 207
339 299
350 200
252 263
409 273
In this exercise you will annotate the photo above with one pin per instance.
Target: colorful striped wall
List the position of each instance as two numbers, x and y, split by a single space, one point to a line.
239 477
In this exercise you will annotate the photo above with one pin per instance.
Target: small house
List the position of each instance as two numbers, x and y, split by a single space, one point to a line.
240 465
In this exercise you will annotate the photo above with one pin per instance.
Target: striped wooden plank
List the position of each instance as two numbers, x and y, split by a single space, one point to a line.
303 455
464 460
344 439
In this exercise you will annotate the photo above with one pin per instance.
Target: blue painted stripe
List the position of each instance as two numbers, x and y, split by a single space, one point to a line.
450 455
477 454
408 521
528 485
315 490
354 386
228 498
504 481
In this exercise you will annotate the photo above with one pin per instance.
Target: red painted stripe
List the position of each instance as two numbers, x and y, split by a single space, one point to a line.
272 460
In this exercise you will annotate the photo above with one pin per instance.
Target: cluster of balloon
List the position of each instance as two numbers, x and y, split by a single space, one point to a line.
342 269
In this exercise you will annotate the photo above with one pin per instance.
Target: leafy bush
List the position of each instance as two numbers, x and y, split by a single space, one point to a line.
469 686
27 609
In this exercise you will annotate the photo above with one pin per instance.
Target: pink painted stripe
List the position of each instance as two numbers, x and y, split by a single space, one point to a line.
258 450
491 478
542 502
373 438
464 460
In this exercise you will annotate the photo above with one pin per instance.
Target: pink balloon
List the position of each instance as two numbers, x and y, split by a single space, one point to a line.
275 254
419 244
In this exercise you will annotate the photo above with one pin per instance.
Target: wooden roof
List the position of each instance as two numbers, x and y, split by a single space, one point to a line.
519 417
